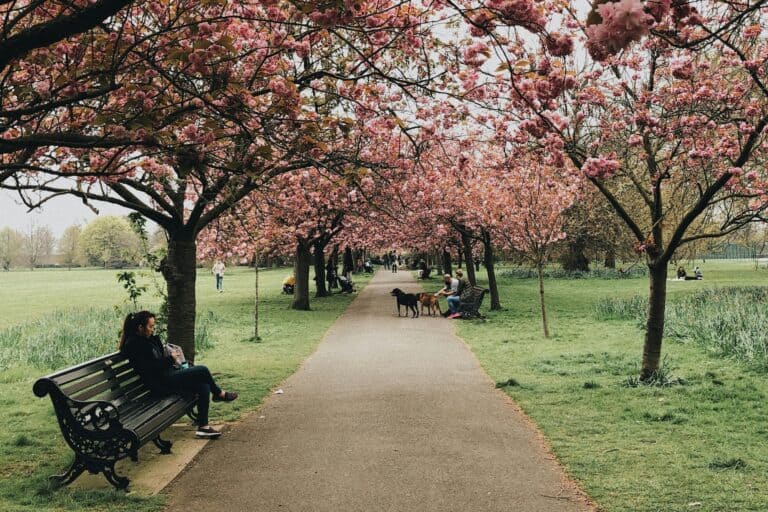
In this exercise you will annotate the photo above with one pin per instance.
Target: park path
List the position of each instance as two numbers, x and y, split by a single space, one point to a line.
389 414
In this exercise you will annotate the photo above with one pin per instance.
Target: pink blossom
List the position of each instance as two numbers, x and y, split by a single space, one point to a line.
476 54
658 8
600 167
682 69
559 45
623 22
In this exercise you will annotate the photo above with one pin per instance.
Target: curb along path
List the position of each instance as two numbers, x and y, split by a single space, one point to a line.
389 414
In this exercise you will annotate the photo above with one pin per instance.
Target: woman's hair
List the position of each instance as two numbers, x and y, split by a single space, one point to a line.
132 323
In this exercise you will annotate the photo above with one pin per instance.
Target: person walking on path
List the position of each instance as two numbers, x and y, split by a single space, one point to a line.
157 370
218 271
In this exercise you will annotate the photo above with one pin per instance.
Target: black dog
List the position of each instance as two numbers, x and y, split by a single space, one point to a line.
409 300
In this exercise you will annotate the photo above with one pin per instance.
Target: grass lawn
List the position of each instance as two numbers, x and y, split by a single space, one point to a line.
31 445
700 446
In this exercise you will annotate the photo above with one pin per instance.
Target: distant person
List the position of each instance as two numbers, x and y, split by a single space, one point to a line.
368 266
681 273
424 269
385 260
477 264
346 284
157 370
394 265
330 275
289 284
697 273
218 271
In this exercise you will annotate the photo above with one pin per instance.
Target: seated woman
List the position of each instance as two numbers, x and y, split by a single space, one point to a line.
681 273
147 355
346 284
288 284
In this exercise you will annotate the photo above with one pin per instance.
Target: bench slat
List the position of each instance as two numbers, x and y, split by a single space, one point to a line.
83 370
170 405
159 423
130 391
117 376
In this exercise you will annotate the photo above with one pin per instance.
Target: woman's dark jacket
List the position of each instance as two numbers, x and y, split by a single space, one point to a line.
149 359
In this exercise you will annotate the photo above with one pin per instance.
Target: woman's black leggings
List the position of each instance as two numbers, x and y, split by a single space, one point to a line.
198 380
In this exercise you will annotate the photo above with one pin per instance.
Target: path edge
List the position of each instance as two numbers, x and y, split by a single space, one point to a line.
569 482
265 400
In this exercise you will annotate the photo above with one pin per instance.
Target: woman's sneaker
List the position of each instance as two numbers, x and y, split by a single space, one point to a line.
228 397
207 432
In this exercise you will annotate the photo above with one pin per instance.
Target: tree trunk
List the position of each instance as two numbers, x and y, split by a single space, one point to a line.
447 263
488 261
466 241
610 258
301 272
348 264
540 271
574 257
460 256
256 336
319 259
655 325
179 269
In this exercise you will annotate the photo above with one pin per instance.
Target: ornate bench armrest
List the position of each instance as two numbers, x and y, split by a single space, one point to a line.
92 416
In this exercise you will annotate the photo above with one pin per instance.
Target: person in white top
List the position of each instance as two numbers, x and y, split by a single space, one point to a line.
218 271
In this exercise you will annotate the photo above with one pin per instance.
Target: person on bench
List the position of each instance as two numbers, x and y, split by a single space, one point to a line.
157 370
455 300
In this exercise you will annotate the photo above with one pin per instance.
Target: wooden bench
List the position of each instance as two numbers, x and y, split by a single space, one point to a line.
106 414
470 301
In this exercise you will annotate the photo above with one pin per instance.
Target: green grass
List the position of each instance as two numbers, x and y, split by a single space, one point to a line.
31 446
638 449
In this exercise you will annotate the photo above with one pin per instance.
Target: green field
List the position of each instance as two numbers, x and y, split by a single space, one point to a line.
31 446
699 445
696 446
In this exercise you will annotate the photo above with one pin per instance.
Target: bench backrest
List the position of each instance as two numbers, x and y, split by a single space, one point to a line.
473 294
110 378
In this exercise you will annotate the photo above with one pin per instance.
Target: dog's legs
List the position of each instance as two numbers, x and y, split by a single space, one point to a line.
398 309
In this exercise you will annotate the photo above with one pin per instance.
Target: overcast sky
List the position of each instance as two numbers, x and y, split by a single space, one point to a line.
58 214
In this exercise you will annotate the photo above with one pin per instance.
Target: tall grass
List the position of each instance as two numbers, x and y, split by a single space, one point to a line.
559 273
728 322
66 337
633 308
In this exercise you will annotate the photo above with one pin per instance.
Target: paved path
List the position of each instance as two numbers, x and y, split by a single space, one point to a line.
390 414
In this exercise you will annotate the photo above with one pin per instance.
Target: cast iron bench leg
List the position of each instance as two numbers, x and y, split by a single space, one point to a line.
120 482
78 466
165 446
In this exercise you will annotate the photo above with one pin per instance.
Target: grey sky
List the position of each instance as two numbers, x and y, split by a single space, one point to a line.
57 214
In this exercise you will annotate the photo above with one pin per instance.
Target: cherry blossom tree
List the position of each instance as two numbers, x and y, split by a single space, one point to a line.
670 114
216 99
